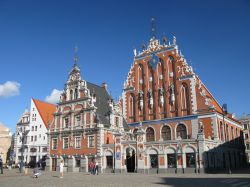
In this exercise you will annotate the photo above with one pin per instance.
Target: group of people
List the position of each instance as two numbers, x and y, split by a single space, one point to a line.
93 167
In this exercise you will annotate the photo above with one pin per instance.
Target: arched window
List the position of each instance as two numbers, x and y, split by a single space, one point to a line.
166 133
71 94
181 131
150 134
76 93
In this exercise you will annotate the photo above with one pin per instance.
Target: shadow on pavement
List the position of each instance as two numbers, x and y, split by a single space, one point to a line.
205 182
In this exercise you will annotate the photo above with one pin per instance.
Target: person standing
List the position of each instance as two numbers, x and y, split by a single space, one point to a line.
1 165
61 169
96 168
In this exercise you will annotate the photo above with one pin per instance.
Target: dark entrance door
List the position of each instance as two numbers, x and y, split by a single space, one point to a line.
130 160
54 164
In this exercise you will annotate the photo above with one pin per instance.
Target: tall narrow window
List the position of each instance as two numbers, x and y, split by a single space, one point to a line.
221 132
78 142
181 131
76 93
66 122
166 133
132 107
65 143
232 133
150 134
71 94
185 98
77 120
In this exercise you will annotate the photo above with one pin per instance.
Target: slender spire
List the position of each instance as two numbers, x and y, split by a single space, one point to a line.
76 58
153 28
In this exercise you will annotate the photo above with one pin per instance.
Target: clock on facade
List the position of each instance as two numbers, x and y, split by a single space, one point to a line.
154 60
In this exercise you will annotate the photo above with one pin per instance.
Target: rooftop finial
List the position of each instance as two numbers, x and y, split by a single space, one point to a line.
75 55
153 29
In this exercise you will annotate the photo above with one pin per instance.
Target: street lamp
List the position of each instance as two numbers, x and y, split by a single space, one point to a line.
139 132
116 134
23 136
179 147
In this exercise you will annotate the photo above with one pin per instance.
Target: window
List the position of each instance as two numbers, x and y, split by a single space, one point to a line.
246 136
78 120
32 128
150 134
245 126
71 94
166 133
35 138
190 160
39 135
232 133
91 142
40 126
77 142
66 122
221 132
76 93
171 160
184 97
43 137
65 143
154 160
109 160
31 138
226 132
181 131
54 143
132 106
35 128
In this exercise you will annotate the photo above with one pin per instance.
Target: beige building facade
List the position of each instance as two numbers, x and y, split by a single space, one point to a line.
5 142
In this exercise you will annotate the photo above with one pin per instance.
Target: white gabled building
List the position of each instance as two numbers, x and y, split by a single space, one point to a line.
34 124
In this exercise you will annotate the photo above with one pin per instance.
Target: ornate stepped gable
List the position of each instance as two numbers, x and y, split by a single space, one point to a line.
161 84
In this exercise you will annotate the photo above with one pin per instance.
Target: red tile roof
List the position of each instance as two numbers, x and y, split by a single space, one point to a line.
46 111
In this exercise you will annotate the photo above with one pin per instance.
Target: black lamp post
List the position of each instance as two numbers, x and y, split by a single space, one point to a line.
24 140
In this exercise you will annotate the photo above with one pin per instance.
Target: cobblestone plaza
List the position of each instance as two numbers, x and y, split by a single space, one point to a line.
51 179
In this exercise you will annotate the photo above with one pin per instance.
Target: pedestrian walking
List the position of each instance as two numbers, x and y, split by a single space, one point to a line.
61 169
1 165
91 167
96 168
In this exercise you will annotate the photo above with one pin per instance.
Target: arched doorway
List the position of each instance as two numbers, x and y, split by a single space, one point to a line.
130 159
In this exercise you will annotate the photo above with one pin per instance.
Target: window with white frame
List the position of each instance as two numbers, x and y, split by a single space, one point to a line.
54 143
78 120
91 141
66 122
77 142
65 143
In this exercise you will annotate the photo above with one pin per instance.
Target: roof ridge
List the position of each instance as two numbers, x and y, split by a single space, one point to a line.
43 101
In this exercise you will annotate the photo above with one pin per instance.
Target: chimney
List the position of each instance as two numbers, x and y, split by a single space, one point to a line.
104 85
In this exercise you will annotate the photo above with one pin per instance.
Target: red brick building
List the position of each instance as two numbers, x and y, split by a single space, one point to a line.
182 126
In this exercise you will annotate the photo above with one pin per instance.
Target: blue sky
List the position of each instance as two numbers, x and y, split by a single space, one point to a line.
37 40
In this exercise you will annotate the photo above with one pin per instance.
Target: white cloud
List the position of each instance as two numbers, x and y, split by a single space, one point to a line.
54 97
9 88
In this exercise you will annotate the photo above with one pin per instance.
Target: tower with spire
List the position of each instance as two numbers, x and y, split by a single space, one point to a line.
84 122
